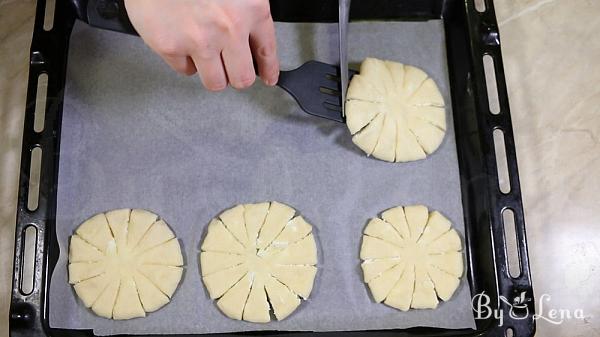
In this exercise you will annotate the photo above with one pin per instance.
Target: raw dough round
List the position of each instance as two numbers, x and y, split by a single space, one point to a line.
124 263
258 257
411 257
394 111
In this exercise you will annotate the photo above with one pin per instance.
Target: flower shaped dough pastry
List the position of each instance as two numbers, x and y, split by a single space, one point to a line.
394 111
411 258
256 258
124 263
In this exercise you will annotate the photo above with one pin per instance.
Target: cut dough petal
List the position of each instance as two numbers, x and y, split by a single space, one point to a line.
432 114
445 284
211 262
254 216
79 271
219 282
282 299
219 239
298 279
157 234
401 295
233 219
168 254
450 262
428 94
437 224
151 297
96 232
257 307
374 268
383 284
81 251
165 278
277 217
360 113
424 296
294 231
103 306
395 216
407 148
429 136
118 221
448 242
89 290
373 68
386 145
232 303
382 230
367 138
413 79
373 248
128 303
303 252
139 222
416 217
361 89
397 71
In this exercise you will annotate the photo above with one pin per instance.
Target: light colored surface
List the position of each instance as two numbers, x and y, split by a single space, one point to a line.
260 249
551 52
394 262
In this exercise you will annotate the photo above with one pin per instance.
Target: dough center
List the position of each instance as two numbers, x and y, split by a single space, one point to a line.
414 253
257 263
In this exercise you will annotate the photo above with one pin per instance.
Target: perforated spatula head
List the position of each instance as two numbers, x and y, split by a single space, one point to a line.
316 86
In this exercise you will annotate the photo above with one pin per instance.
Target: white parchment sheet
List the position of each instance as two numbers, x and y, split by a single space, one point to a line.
137 135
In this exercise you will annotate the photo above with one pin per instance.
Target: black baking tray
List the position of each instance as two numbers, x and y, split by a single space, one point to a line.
470 35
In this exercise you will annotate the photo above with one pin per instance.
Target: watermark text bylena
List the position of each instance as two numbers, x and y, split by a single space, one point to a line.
519 310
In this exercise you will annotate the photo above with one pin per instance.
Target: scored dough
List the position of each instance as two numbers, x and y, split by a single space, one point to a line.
411 257
124 263
256 258
394 111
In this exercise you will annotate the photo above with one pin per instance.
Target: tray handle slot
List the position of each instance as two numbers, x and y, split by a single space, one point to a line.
480 6
510 236
49 14
40 102
33 190
514 290
501 161
29 237
490 83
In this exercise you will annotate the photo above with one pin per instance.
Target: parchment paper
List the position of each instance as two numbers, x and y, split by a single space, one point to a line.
137 135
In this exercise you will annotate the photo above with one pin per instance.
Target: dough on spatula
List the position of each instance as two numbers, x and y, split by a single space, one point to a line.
259 259
394 111
411 257
124 263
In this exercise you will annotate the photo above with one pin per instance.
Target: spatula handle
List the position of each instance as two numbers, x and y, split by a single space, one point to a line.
105 14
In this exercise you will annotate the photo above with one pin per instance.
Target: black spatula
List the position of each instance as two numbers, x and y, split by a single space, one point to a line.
320 88
316 86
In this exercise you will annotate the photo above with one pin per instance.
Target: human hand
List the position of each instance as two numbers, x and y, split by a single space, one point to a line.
215 38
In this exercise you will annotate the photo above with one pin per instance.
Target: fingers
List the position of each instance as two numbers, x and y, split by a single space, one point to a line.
181 64
237 60
211 72
263 44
